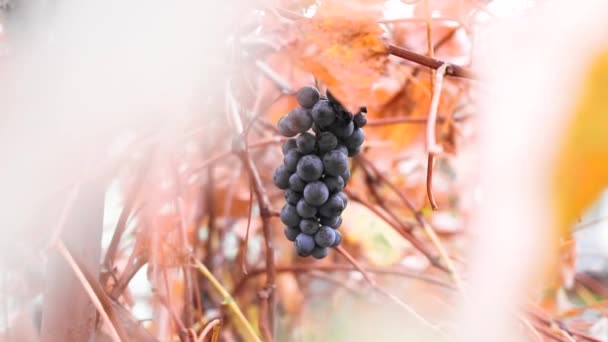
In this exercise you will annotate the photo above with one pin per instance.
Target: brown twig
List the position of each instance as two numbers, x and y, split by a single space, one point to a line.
451 70
127 209
405 234
208 328
419 217
129 272
408 120
429 181
263 203
96 294
344 268
356 265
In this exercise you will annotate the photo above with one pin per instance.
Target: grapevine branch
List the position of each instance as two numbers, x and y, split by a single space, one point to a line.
451 70
418 216
264 205
95 292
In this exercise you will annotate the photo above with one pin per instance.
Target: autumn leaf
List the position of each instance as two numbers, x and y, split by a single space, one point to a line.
582 165
347 55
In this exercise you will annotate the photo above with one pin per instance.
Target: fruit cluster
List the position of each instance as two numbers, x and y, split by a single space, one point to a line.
315 169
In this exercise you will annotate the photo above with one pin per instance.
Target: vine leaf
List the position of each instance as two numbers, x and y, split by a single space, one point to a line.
347 55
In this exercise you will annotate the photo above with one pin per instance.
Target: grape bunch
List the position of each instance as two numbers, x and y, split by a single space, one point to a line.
322 135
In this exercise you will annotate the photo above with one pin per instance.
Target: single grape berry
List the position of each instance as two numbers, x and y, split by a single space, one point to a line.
296 183
309 226
309 168
360 120
354 152
284 127
320 252
289 144
306 210
292 197
316 193
299 121
323 114
305 244
342 129
291 160
326 141
307 96
332 207
345 176
280 177
335 163
338 223
325 236
306 143
291 233
355 140
342 149
344 198
333 183
338 239
333 221
289 215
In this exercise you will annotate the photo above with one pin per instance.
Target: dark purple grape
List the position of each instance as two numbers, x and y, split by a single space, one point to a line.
292 197
305 244
338 239
284 129
291 233
316 128
355 140
306 210
291 160
327 141
309 226
280 177
333 183
354 152
309 168
345 176
306 143
289 216
342 129
360 120
342 149
332 207
299 121
335 163
316 193
333 221
343 197
320 252
338 223
325 236
307 96
296 183
289 144
323 114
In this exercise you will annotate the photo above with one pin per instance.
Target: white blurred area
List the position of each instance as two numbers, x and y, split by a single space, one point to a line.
533 66
82 74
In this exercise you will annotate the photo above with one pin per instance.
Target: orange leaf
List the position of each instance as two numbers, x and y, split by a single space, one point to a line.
347 55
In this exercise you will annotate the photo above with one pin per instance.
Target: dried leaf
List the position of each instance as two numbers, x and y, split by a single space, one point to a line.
345 54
